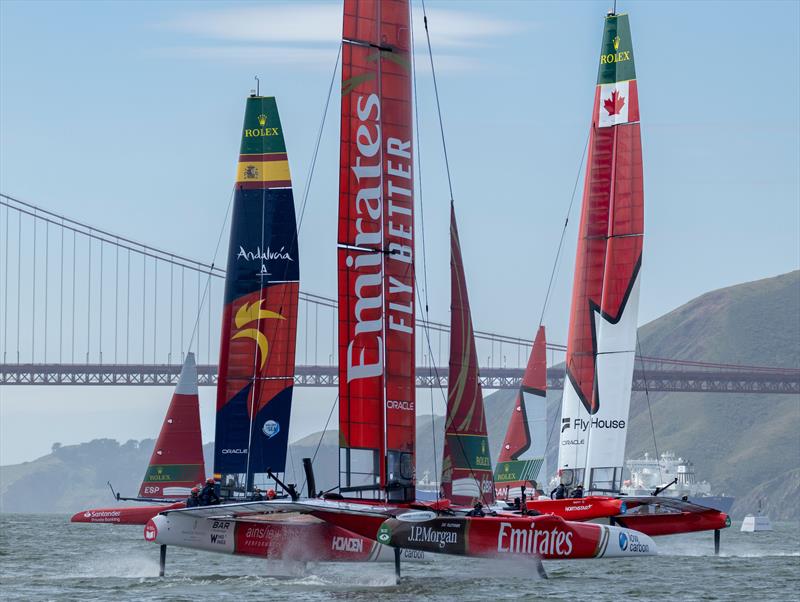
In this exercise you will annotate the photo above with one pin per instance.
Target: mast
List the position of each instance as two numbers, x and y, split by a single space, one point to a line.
376 253
522 456
466 463
177 462
605 295
259 319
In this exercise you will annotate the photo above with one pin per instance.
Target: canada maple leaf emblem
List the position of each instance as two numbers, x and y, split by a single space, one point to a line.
614 104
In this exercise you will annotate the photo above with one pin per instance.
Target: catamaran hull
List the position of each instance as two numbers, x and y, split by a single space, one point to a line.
548 537
123 516
301 538
672 524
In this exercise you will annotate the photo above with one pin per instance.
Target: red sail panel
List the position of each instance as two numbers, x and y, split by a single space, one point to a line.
534 380
177 462
467 463
375 237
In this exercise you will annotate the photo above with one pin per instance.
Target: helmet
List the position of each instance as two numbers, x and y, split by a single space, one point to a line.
195 490
271 493
210 481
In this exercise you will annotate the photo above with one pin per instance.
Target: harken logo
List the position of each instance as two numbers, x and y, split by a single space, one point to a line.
271 428
623 541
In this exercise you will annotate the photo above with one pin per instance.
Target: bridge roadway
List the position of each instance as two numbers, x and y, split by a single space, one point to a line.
659 378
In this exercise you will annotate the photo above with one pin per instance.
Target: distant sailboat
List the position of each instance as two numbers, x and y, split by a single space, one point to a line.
466 462
522 455
176 464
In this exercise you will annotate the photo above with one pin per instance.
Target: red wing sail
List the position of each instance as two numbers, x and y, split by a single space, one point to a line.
177 462
605 296
376 251
467 463
522 456
256 369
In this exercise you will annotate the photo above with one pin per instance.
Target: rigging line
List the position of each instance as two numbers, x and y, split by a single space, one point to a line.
450 187
316 145
418 158
19 277
5 291
564 231
322 435
255 388
208 280
436 93
649 409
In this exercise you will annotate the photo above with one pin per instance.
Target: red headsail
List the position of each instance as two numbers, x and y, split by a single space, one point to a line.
467 462
522 457
177 462
376 251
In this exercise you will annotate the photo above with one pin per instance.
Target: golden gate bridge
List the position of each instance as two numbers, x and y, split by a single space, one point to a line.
84 306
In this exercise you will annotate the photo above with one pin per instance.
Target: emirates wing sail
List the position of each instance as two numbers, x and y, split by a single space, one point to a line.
467 462
522 456
256 366
605 296
177 462
376 253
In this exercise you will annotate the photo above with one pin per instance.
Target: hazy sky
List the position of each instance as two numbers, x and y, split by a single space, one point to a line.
128 116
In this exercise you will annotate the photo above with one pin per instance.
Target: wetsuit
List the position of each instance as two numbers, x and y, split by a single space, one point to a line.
192 501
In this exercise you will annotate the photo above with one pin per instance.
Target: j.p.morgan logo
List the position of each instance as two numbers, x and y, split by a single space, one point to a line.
422 534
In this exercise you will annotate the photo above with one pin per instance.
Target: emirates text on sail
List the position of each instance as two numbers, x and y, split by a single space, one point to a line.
397 240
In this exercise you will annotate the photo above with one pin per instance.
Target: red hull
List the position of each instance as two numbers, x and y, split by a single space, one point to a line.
587 508
123 516
672 524
547 537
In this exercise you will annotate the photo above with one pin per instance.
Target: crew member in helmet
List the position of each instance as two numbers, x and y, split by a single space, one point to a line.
208 496
271 494
257 495
193 499
578 491
559 492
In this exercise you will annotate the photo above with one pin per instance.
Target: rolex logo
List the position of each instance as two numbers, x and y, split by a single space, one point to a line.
262 119
616 47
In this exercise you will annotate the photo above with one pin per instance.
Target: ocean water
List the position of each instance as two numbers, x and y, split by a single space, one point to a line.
43 557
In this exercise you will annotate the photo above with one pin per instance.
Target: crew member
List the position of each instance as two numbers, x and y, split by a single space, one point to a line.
578 491
560 492
208 496
477 510
271 494
257 495
193 499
